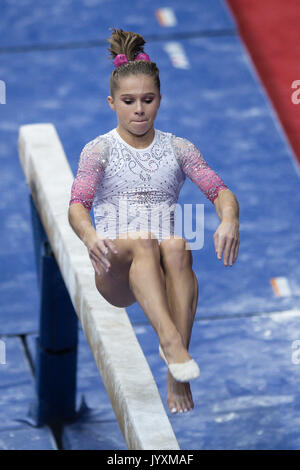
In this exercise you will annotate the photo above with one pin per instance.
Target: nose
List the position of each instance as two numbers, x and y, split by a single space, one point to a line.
139 108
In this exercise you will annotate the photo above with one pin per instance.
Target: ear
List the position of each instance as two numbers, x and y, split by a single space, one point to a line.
111 102
159 100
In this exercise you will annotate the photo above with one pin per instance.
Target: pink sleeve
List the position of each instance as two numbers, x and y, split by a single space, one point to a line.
92 163
196 168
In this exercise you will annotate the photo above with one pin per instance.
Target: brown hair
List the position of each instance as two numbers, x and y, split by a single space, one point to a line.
130 44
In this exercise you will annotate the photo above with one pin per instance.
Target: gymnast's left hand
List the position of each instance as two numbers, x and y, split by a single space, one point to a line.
227 240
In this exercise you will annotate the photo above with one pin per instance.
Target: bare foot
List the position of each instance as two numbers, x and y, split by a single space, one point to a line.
179 396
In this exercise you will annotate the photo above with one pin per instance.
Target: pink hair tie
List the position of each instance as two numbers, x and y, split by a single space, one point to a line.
143 56
120 59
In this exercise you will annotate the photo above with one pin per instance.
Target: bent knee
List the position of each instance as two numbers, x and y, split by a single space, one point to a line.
144 241
175 253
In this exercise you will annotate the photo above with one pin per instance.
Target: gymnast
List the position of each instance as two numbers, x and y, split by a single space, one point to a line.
143 169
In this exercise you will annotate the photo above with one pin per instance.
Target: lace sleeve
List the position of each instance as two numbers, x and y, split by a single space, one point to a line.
92 163
196 168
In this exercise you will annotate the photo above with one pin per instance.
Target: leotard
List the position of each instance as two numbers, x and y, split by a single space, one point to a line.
133 189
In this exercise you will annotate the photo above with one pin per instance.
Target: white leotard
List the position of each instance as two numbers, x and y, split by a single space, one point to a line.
134 189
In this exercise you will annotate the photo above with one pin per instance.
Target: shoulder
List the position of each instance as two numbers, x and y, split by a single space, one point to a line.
180 144
97 150
175 140
98 144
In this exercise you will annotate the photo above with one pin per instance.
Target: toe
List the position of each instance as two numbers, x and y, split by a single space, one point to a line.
179 397
190 400
190 404
186 406
172 406
183 405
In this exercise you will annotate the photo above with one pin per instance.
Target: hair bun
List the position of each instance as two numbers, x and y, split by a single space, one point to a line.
125 42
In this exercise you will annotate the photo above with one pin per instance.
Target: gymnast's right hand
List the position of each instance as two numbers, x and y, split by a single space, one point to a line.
98 249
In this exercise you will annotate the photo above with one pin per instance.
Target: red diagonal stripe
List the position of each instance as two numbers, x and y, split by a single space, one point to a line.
270 30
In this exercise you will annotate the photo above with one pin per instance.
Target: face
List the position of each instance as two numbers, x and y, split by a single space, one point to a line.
136 103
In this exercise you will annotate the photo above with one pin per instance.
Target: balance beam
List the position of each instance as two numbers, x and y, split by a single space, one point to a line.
122 365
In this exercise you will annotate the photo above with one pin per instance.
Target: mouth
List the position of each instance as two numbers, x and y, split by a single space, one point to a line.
140 121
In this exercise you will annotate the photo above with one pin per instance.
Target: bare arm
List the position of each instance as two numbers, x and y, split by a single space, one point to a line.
81 223
193 164
226 237
226 205
92 163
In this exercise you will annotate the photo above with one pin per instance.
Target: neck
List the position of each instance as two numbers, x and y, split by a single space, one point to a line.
137 141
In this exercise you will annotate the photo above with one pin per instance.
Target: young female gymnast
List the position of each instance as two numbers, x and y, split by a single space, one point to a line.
143 169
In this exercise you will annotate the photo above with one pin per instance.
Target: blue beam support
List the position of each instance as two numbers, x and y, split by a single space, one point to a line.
56 346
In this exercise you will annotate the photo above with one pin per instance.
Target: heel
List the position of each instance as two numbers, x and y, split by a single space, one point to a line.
161 353
182 372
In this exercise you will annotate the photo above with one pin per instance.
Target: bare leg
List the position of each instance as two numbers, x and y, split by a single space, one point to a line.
182 294
181 290
147 283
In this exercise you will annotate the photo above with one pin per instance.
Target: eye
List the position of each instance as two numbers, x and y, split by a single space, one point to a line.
147 100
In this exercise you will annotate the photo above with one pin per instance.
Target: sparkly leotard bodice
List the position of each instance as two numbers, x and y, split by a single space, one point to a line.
133 189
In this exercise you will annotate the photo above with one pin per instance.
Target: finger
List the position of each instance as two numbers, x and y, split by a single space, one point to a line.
95 266
236 251
112 246
97 256
216 241
102 261
232 252
109 245
100 249
227 251
96 263
220 247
